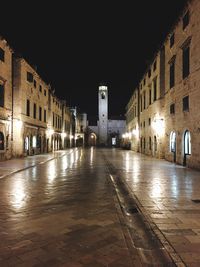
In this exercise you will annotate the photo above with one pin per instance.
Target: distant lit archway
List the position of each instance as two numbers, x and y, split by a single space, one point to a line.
92 139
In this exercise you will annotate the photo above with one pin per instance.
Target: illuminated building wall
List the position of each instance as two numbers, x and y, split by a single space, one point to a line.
5 100
182 66
169 124
30 110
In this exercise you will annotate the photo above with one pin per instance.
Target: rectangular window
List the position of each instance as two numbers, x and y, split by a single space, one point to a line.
144 82
186 61
172 74
27 107
149 96
53 119
154 89
2 55
186 19
34 110
171 40
144 100
40 88
186 103
144 124
40 113
45 92
34 83
149 143
149 121
141 103
29 77
45 115
172 108
1 95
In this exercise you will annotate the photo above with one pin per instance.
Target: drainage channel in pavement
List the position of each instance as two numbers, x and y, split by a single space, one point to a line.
149 247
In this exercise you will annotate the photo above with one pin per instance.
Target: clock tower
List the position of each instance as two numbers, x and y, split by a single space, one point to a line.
103 115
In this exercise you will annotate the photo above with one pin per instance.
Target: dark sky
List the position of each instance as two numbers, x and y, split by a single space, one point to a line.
77 44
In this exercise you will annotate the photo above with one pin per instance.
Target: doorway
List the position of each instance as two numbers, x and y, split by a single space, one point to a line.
173 145
187 146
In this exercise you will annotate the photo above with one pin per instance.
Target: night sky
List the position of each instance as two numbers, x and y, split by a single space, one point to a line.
78 44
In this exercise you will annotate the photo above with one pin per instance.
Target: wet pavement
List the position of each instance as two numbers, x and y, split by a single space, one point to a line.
169 197
63 210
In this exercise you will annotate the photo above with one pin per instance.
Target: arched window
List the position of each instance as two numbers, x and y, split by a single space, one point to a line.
187 143
1 141
172 142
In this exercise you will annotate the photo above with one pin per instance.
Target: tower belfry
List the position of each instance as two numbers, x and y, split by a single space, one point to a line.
103 114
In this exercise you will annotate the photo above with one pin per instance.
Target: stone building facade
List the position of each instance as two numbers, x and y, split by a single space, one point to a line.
167 97
41 121
6 126
30 110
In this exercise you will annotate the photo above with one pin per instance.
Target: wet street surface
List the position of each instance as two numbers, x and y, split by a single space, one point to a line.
98 208
168 196
63 213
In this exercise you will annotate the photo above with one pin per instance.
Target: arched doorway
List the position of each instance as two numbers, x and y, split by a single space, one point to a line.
92 139
173 145
186 146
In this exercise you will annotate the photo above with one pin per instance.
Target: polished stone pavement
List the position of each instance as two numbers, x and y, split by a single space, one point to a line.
169 197
61 210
